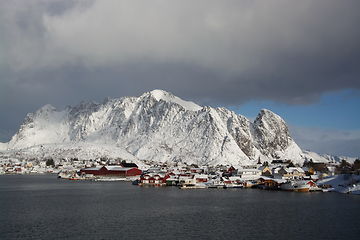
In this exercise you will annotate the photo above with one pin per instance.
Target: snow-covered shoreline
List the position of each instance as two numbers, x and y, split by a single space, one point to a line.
343 183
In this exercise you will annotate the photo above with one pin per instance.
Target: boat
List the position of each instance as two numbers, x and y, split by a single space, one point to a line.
296 186
234 185
216 185
315 188
328 190
251 184
136 182
270 184
63 175
107 179
196 186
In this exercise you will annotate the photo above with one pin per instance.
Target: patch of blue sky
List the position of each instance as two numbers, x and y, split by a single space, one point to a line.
335 110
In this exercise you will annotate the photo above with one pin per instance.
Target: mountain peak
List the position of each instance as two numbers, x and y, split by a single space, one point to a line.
47 108
148 129
161 94
168 97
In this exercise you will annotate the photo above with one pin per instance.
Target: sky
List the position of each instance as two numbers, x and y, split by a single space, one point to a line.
299 59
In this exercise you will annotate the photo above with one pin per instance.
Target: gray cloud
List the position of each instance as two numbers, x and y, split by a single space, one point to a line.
212 52
320 140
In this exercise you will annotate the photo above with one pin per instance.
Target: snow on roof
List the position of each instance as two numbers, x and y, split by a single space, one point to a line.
93 168
279 180
152 174
262 168
249 178
171 179
109 168
114 168
249 170
202 176
233 178
153 169
176 172
292 169
314 177
185 177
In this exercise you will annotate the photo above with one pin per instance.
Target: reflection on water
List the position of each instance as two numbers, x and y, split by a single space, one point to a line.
42 206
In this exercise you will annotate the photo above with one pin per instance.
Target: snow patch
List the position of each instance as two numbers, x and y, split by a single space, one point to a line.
168 97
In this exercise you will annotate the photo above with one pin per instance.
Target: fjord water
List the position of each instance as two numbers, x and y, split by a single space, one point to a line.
44 207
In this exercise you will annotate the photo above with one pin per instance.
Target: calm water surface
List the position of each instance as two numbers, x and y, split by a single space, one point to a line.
44 207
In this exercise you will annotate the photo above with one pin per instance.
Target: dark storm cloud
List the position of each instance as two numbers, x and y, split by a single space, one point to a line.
214 52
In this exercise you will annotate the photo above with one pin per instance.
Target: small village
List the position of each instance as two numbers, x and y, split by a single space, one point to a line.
277 175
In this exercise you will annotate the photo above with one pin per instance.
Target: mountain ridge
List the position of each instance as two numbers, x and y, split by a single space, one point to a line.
158 126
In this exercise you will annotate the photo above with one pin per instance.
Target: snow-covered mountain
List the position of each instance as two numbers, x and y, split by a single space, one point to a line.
157 126
317 157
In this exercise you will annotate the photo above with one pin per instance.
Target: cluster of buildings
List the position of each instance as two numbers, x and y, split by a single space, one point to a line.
221 176
122 171
65 166
278 174
25 167
170 175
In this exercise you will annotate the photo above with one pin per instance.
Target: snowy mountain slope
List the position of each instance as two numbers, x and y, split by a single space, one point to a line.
44 126
161 127
168 97
316 157
272 136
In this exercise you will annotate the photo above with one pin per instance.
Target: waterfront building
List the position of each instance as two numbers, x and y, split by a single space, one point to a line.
265 171
112 171
290 173
154 179
249 174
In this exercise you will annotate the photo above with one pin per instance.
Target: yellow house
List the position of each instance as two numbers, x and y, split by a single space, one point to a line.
265 171
309 171
291 173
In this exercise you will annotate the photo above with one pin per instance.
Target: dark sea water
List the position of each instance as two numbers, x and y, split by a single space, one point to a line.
44 207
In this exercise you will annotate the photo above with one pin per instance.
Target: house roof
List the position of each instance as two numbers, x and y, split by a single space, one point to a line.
114 168
249 170
233 178
132 165
292 169
263 167
201 176
306 168
152 174
93 168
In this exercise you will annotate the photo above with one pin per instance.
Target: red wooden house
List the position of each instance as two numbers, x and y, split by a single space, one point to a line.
112 171
153 179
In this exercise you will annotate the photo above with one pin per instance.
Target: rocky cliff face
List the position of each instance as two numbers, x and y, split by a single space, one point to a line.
161 127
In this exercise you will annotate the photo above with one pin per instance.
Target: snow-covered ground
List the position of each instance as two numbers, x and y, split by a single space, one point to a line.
342 183
80 150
